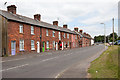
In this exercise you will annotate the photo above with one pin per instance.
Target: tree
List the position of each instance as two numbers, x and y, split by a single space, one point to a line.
111 37
119 38
100 38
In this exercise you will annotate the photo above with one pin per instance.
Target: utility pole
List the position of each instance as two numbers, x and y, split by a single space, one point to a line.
113 31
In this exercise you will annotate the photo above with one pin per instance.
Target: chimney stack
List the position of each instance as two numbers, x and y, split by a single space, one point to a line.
81 31
12 9
85 33
65 26
37 17
76 29
55 23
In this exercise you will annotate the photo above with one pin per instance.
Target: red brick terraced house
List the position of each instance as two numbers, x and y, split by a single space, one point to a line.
21 34
86 41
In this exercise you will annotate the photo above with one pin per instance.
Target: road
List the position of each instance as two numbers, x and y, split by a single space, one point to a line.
48 65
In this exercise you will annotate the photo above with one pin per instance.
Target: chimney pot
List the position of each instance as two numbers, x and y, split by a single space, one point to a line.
76 29
12 9
81 31
65 26
55 23
37 17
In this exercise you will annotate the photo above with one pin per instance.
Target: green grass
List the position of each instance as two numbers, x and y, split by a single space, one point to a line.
106 64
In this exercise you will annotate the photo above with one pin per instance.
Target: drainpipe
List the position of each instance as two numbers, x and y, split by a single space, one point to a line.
40 39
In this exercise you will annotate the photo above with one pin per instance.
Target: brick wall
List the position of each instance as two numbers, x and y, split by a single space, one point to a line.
14 35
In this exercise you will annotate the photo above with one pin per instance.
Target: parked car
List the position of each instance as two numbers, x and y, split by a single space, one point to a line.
110 43
118 42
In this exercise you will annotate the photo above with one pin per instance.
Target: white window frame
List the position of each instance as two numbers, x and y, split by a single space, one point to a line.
47 44
68 35
75 36
59 36
32 30
21 45
64 35
73 44
53 33
46 32
20 28
68 44
32 45
53 44
64 44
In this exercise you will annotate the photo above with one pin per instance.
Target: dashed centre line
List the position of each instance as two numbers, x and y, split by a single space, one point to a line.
14 67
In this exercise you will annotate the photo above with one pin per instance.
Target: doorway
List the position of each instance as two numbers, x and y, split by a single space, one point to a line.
13 48
43 50
38 47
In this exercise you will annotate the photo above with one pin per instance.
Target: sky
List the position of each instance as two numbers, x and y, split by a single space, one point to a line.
84 14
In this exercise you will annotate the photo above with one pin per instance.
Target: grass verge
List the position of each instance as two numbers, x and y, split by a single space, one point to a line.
106 66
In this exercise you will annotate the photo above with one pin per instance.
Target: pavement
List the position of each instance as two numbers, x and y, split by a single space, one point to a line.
53 64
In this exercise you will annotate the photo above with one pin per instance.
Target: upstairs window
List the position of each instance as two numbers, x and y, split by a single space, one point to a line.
64 35
76 37
21 28
67 35
46 32
59 36
32 30
32 45
21 45
53 33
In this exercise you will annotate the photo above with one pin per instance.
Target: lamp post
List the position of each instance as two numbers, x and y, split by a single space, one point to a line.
113 31
104 33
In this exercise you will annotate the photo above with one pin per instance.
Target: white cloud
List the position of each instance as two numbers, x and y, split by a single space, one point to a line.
89 12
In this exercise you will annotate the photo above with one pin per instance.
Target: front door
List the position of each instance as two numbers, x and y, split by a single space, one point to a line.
13 47
38 47
56 46
43 47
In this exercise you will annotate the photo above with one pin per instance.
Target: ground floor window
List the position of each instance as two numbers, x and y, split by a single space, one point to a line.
64 44
68 44
21 43
73 44
47 44
76 45
53 44
32 45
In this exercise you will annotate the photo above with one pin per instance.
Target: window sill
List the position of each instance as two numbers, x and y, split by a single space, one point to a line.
32 49
22 50
21 33
32 34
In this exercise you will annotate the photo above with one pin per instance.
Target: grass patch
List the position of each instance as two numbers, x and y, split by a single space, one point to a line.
106 66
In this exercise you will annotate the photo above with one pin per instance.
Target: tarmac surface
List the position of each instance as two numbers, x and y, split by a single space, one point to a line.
54 64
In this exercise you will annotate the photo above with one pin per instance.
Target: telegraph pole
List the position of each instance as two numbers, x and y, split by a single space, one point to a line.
113 31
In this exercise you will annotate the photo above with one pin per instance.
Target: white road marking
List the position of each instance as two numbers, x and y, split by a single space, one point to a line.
26 64
14 67
60 74
67 54
13 60
48 59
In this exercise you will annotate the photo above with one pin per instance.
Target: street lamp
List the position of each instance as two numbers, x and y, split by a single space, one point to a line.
104 33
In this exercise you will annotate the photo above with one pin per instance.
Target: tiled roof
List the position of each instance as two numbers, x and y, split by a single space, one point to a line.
23 19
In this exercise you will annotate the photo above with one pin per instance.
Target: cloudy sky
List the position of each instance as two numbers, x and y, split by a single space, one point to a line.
85 14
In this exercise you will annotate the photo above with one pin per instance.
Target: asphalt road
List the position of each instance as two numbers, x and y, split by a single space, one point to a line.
47 65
